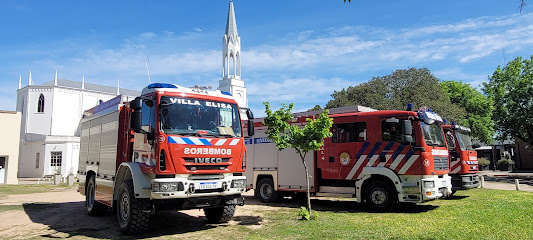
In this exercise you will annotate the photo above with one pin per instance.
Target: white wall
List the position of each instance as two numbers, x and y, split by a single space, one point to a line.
39 123
27 159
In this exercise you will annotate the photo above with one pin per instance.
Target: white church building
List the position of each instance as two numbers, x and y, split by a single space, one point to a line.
50 133
51 112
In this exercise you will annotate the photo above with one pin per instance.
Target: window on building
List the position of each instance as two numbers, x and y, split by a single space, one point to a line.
40 104
22 107
37 156
348 132
56 159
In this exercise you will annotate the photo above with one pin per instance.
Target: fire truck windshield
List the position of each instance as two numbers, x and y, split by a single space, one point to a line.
465 141
433 134
189 116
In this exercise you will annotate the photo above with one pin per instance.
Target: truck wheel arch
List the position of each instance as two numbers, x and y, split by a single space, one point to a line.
371 174
142 183
258 175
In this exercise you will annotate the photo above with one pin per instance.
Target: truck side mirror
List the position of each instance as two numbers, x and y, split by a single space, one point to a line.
136 120
136 104
249 114
407 127
407 138
251 130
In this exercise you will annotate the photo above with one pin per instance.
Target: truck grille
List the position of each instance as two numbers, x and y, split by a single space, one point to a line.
440 163
205 176
206 167
191 160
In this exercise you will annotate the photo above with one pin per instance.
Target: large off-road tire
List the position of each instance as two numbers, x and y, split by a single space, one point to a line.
94 208
381 197
265 191
133 213
220 214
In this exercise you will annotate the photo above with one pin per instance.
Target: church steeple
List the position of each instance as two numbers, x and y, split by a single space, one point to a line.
231 24
231 61
231 47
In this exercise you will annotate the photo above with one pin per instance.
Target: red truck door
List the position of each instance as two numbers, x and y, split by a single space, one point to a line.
340 151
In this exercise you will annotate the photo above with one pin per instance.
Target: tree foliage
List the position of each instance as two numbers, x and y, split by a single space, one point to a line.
511 89
478 108
393 92
308 138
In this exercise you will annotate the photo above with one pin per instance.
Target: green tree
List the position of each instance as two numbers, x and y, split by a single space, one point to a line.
309 138
315 108
393 92
511 89
478 108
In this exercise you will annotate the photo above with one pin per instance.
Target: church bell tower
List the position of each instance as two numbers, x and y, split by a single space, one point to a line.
231 61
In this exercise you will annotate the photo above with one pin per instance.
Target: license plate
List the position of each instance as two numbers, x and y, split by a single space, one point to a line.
208 185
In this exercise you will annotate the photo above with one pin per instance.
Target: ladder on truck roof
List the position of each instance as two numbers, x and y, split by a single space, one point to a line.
339 110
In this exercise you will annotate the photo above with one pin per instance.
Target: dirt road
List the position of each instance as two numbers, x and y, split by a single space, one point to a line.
61 214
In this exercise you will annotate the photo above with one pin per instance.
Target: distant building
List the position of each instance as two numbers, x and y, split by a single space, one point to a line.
51 112
524 159
9 146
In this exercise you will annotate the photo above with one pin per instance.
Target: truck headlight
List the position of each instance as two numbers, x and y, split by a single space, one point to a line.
167 187
238 183
429 184
466 179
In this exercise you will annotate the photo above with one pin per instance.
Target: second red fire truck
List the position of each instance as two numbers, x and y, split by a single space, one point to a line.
379 157
463 157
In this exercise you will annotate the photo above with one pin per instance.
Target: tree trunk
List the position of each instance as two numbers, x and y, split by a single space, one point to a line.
307 180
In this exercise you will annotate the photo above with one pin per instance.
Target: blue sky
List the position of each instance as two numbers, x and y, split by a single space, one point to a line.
292 51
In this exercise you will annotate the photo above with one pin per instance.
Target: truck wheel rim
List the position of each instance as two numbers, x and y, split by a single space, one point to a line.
266 191
378 196
124 208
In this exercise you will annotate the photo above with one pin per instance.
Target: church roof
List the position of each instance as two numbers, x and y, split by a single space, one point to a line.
92 87
231 24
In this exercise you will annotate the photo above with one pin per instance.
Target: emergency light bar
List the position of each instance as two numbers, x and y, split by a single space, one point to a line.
426 114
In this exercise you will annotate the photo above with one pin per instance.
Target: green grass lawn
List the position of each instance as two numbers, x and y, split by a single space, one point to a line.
472 214
6 190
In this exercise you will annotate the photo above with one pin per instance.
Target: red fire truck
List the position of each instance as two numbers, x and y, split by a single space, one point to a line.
463 157
379 157
170 148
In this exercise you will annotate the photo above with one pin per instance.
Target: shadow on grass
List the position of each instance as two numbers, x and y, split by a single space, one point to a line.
70 219
337 205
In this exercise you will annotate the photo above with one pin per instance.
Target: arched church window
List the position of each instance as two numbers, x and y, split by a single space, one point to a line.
231 71
40 104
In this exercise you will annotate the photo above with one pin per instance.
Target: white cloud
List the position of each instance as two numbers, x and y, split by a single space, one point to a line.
147 35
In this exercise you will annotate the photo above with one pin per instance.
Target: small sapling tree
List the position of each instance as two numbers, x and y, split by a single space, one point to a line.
305 139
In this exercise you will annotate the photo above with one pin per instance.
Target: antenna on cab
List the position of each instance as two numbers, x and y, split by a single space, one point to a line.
148 71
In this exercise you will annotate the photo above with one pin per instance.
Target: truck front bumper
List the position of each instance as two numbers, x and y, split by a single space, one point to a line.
182 186
465 181
430 187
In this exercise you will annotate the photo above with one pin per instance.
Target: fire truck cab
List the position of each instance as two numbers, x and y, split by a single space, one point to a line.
463 157
379 157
